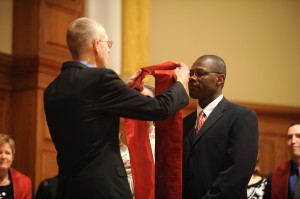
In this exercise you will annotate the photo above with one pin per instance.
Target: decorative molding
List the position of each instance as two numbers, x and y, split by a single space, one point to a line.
31 73
76 5
5 63
279 111
266 110
52 38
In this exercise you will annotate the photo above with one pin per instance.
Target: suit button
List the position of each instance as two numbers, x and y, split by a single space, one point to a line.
193 151
185 101
190 174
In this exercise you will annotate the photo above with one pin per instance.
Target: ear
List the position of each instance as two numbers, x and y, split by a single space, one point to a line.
220 79
96 46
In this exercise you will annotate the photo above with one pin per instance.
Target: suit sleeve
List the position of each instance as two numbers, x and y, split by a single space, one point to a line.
118 99
43 191
241 157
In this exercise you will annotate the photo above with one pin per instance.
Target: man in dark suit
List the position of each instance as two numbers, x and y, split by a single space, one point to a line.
218 159
83 105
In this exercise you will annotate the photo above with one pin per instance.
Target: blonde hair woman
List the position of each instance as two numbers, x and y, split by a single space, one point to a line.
13 184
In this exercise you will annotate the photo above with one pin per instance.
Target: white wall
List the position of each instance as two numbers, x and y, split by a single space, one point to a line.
109 14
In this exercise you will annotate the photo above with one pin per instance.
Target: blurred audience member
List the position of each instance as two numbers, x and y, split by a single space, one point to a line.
13 184
284 181
257 184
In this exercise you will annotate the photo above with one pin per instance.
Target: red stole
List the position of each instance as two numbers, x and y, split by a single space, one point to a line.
167 182
280 181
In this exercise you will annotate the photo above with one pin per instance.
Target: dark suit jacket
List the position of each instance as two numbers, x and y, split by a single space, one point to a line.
218 163
82 107
47 189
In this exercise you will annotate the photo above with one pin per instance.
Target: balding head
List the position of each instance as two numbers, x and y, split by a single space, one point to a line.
80 35
213 62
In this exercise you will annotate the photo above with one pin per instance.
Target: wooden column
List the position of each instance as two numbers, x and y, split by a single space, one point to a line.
5 90
39 48
135 22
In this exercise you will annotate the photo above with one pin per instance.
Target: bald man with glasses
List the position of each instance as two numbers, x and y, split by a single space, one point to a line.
83 106
220 138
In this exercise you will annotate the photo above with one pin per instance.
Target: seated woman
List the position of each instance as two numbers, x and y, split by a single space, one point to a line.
257 185
13 184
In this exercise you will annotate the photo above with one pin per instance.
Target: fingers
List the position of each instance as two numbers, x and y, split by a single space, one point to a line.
181 73
133 78
176 70
182 65
137 74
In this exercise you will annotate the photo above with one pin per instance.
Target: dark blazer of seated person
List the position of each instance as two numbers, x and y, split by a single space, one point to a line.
47 188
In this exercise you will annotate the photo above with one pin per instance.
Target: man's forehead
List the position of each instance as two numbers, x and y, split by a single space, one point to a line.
294 129
203 63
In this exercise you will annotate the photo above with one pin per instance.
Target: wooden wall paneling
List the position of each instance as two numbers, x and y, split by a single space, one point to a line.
5 89
272 152
46 165
39 48
273 124
24 114
266 161
25 29
55 18
5 125
75 5
5 72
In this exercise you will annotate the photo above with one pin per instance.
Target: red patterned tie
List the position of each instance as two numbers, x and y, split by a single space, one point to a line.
200 121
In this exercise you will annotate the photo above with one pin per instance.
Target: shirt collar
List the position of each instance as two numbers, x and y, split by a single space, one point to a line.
294 167
210 107
87 64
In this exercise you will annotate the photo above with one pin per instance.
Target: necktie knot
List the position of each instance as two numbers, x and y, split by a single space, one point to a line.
200 120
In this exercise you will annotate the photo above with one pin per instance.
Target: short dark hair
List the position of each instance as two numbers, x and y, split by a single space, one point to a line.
295 123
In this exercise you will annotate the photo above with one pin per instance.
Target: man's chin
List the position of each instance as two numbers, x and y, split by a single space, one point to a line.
193 96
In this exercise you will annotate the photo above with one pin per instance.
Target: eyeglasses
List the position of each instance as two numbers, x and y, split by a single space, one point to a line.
200 73
108 43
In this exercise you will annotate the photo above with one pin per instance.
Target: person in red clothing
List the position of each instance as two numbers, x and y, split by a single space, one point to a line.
13 184
283 181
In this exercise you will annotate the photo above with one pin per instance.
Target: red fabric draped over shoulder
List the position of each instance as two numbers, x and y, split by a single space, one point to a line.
164 180
280 181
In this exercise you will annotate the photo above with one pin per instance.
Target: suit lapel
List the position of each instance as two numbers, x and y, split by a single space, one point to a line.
191 124
215 115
